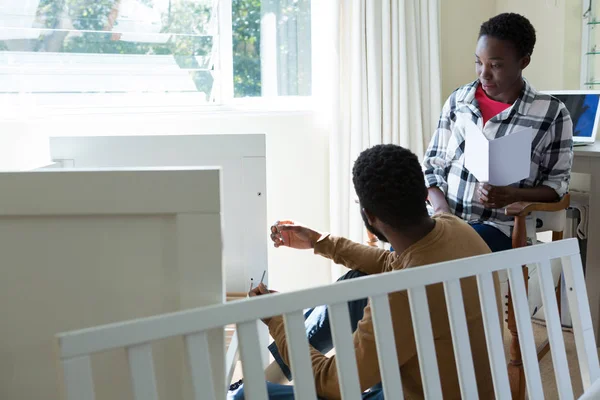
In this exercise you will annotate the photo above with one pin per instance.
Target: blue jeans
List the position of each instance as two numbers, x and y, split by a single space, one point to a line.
318 331
493 237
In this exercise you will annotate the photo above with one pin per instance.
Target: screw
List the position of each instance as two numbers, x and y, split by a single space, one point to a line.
259 194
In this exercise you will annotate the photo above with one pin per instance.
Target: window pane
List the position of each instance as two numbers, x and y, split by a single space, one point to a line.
271 47
108 46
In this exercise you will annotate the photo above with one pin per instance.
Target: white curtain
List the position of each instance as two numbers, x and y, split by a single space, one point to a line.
387 90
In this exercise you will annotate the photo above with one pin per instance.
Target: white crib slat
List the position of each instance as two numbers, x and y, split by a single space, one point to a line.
460 339
141 367
301 365
555 335
493 334
531 365
341 331
79 384
386 347
231 358
582 321
255 385
198 356
419 312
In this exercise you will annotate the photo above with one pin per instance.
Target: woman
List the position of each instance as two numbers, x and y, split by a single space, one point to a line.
500 102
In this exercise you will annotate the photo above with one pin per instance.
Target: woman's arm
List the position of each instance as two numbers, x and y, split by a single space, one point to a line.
493 197
438 200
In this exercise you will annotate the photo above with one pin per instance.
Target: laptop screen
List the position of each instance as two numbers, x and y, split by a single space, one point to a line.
583 108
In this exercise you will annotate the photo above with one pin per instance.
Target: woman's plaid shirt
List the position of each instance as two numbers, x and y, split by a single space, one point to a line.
551 150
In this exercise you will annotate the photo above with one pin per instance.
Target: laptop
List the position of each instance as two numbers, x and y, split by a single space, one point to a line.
584 107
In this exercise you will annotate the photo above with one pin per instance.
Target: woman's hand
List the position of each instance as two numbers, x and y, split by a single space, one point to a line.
493 197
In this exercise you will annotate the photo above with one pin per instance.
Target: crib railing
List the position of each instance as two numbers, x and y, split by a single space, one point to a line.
136 336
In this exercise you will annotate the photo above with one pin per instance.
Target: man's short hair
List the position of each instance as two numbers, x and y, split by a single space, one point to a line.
513 28
390 185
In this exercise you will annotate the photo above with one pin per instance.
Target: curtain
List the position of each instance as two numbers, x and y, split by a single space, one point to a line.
386 89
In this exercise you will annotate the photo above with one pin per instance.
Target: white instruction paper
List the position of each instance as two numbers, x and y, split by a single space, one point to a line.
499 162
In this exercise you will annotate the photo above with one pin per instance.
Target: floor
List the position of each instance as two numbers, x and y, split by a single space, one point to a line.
546 368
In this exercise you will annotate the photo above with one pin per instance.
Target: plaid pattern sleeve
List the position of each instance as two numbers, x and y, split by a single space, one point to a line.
556 161
551 150
434 164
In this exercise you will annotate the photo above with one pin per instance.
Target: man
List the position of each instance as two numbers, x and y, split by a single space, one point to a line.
500 102
389 184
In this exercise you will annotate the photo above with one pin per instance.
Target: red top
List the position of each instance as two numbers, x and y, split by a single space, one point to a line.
488 107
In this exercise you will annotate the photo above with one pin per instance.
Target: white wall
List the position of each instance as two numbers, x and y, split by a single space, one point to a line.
460 22
556 59
572 47
297 171
23 151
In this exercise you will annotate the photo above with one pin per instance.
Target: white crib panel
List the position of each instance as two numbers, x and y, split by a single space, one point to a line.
386 347
255 385
198 356
301 365
583 331
341 331
531 364
77 374
493 334
141 367
419 312
460 339
555 334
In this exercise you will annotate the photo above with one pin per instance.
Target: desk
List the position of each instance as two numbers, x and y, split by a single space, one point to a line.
587 161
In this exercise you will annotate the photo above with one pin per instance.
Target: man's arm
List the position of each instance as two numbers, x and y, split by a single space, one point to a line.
368 259
324 368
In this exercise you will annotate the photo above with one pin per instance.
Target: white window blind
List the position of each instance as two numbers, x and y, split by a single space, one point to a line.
106 53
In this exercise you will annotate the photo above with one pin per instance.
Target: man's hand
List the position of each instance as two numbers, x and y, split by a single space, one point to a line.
290 234
261 290
494 197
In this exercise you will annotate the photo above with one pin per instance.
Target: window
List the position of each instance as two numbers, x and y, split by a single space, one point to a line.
195 51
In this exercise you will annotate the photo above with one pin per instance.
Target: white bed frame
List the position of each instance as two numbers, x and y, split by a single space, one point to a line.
84 248
241 158
135 336
244 188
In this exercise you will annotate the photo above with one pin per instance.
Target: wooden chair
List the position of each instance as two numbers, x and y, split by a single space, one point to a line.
520 211
137 336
